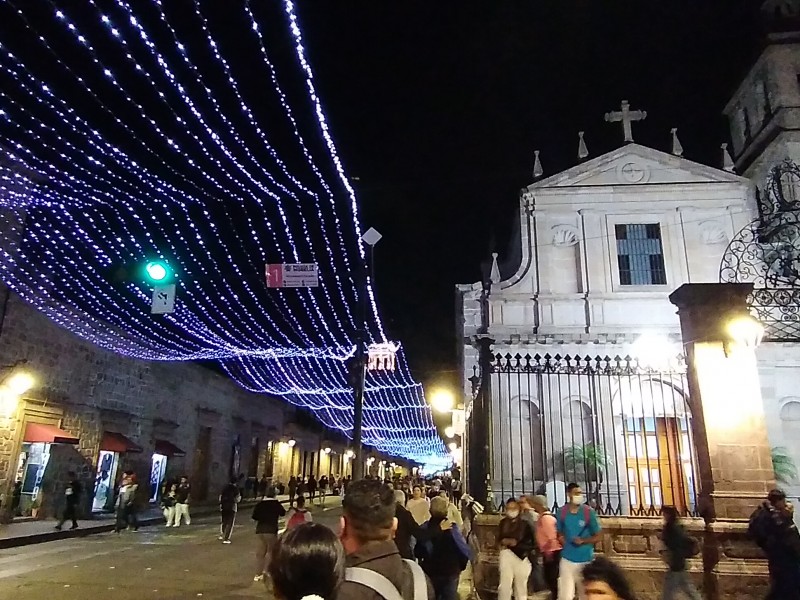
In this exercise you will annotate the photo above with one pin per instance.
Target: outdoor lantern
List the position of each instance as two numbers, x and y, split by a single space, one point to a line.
449 431
327 450
349 454
745 331
291 443
443 401
158 272
19 383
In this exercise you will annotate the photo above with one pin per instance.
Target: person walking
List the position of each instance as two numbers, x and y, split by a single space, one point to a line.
419 506
453 513
323 489
579 531
266 514
72 495
229 500
678 547
548 544
292 486
299 514
263 486
312 488
375 570
168 504
308 562
772 528
182 493
445 553
516 542
126 503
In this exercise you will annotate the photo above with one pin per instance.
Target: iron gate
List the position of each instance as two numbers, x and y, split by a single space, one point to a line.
621 430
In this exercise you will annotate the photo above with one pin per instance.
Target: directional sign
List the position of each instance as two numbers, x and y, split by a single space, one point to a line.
163 299
293 275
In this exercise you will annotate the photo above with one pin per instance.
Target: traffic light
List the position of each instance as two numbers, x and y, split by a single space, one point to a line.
158 272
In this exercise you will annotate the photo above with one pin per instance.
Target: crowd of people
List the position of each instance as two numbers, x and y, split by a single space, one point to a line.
408 540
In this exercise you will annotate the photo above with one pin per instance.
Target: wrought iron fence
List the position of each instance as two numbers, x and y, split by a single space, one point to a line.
778 310
620 430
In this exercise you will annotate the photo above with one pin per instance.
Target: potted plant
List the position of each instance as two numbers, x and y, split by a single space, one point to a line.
783 465
36 506
587 464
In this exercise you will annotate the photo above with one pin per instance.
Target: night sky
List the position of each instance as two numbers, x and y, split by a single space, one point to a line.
437 107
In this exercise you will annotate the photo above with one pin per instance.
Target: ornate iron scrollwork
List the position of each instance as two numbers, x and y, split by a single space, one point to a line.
766 252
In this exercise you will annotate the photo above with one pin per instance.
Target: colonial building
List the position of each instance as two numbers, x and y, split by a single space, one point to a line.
581 344
99 414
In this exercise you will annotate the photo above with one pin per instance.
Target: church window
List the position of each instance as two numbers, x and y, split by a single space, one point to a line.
790 187
640 254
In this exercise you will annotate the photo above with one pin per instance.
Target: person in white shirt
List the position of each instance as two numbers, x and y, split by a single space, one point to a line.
419 506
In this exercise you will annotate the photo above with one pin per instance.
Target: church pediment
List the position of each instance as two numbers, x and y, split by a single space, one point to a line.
637 165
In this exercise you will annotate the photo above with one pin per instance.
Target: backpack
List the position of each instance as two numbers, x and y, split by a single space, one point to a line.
587 513
385 588
297 518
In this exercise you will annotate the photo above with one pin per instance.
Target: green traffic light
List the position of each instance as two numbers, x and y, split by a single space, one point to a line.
157 271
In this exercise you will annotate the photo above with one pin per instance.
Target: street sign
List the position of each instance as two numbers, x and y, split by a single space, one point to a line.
163 299
293 275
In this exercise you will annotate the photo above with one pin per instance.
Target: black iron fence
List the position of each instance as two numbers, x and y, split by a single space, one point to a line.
778 310
620 430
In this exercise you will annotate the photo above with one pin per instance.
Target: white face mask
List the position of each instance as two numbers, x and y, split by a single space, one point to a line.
512 514
577 499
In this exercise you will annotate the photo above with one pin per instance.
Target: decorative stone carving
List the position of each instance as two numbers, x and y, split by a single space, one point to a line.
633 172
565 236
713 233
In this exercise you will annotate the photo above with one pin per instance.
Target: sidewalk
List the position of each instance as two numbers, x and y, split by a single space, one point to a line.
24 533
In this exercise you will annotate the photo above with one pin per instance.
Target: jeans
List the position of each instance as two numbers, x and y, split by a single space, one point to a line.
126 517
266 542
445 588
679 581
514 573
550 565
570 580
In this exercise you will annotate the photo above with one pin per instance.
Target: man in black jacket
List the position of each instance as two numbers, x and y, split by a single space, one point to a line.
678 547
228 504
266 514
72 495
773 529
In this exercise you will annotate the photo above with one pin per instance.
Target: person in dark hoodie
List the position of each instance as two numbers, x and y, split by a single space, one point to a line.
228 504
516 544
772 528
445 553
407 528
678 547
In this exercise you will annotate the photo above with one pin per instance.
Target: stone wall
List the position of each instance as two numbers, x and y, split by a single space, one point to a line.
729 566
89 390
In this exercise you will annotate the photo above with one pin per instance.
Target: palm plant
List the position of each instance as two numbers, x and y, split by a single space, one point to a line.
587 463
783 465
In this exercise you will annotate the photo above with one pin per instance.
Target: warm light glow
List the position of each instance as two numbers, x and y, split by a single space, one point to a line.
453 446
349 454
8 403
19 383
449 431
292 443
654 351
746 331
327 451
442 401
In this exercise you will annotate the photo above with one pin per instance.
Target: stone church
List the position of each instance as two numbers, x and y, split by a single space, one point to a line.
582 346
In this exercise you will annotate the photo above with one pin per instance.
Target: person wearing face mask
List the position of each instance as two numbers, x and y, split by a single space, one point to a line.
578 532
516 544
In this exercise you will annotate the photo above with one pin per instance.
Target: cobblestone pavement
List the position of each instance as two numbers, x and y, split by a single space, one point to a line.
159 563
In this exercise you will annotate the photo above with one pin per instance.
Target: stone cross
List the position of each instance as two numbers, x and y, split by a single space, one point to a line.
626 116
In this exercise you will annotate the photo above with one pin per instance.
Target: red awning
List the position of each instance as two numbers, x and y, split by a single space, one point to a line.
168 448
116 442
49 434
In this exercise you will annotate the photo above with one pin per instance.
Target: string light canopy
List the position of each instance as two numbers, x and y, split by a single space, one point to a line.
183 143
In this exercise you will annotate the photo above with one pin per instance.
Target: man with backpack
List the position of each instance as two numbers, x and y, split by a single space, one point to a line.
772 528
375 570
228 504
578 532
678 547
298 515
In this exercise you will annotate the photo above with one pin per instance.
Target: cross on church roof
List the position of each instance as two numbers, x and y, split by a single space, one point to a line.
626 116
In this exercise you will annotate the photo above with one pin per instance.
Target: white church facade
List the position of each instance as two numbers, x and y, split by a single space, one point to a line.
584 383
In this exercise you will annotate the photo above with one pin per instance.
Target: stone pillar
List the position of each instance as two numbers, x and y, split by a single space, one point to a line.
734 458
479 425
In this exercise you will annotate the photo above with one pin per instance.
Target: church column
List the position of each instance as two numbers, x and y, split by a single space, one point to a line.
479 452
728 424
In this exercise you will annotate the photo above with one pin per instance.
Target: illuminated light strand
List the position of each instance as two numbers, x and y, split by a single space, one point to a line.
391 409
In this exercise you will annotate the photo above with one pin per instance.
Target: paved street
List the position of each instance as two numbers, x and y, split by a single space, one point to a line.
189 562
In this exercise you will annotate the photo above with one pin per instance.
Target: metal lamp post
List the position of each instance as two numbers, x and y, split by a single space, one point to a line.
359 364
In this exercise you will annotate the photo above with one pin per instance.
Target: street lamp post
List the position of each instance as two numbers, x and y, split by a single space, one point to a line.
359 364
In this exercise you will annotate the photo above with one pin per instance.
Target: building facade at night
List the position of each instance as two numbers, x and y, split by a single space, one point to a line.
98 414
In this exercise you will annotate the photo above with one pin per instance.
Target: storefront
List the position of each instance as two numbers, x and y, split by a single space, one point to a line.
31 464
164 451
112 447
